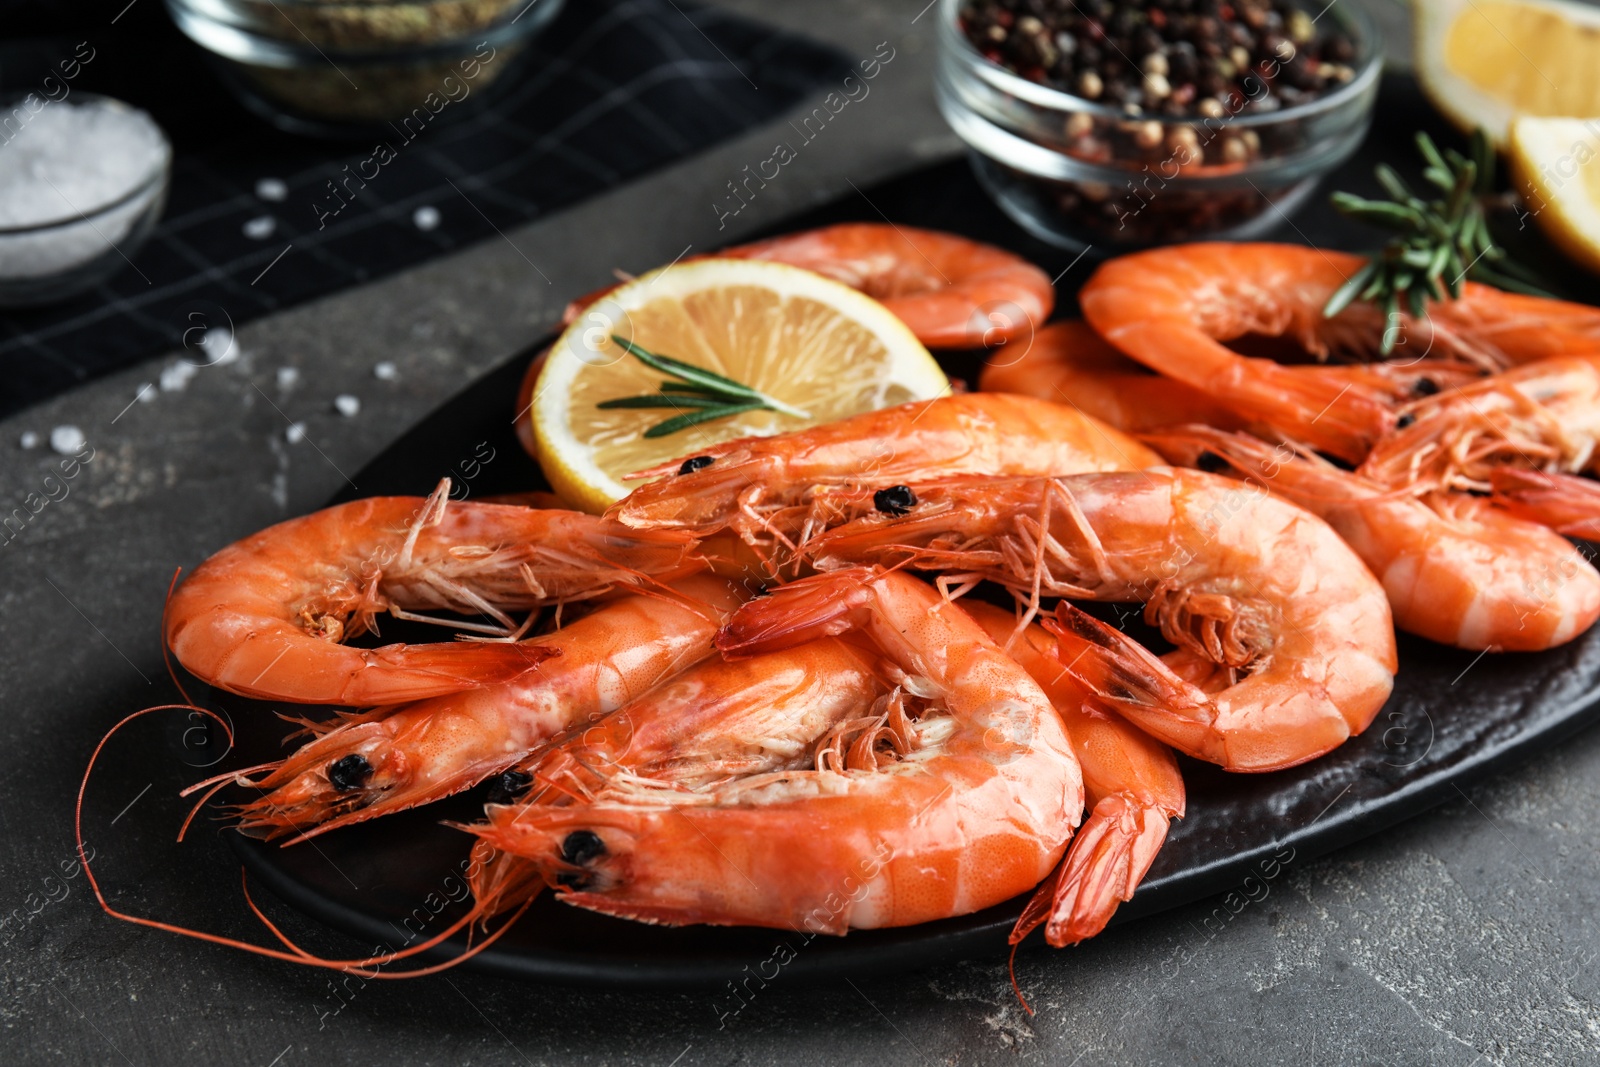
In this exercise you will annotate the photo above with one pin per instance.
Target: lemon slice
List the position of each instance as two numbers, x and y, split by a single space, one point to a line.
1484 62
1556 165
820 349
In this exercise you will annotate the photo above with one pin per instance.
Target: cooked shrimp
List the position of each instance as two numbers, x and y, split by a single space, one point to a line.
1541 416
1131 784
970 803
952 292
1270 610
266 616
1172 308
1566 503
784 710
1455 569
761 486
393 759
1068 363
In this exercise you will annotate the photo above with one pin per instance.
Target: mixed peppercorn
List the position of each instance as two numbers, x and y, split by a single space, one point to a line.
1170 57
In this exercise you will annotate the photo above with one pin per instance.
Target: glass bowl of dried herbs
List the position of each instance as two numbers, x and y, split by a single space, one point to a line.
343 68
1120 126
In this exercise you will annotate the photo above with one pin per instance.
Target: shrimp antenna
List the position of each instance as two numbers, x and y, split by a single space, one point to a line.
368 968
217 784
1011 966
298 955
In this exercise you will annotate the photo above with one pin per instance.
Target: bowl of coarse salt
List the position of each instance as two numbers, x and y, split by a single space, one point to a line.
82 182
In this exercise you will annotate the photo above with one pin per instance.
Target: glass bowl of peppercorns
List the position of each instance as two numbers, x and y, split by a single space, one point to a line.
1126 125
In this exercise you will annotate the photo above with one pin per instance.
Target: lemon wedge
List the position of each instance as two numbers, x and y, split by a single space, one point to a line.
1484 62
818 350
1555 163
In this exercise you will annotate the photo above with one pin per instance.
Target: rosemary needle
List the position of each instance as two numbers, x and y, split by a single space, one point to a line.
699 395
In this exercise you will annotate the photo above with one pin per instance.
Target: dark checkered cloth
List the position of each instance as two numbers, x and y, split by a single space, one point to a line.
614 88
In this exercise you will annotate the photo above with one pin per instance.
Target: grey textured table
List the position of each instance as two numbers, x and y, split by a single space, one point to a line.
1467 936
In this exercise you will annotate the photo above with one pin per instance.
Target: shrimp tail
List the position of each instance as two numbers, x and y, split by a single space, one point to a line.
1127 678
1105 864
1567 503
823 605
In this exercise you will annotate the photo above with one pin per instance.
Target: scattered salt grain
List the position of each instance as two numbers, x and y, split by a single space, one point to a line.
347 405
288 377
274 189
67 440
146 393
385 371
66 162
295 433
175 376
425 217
29 439
217 347
260 228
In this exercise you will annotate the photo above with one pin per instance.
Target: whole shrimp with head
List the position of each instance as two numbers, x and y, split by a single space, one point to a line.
763 487
1173 308
952 292
820 704
267 616
972 803
391 759
1285 640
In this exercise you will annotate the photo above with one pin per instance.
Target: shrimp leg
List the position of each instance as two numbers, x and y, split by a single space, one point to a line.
1566 503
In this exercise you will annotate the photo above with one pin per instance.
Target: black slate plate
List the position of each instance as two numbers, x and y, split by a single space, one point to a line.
1454 717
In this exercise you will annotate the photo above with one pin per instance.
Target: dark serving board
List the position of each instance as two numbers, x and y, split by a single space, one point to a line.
1455 716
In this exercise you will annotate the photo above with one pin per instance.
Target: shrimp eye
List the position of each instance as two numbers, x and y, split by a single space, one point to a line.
1425 387
1404 420
349 772
1210 462
696 463
582 847
509 786
895 500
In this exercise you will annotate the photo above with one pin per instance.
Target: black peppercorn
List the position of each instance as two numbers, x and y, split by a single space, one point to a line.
1166 55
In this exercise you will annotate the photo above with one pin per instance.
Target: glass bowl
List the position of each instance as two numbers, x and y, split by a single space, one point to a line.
1077 173
50 260
349 68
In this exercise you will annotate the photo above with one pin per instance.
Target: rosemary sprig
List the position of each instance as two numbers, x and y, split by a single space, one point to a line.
1437 244
698 394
